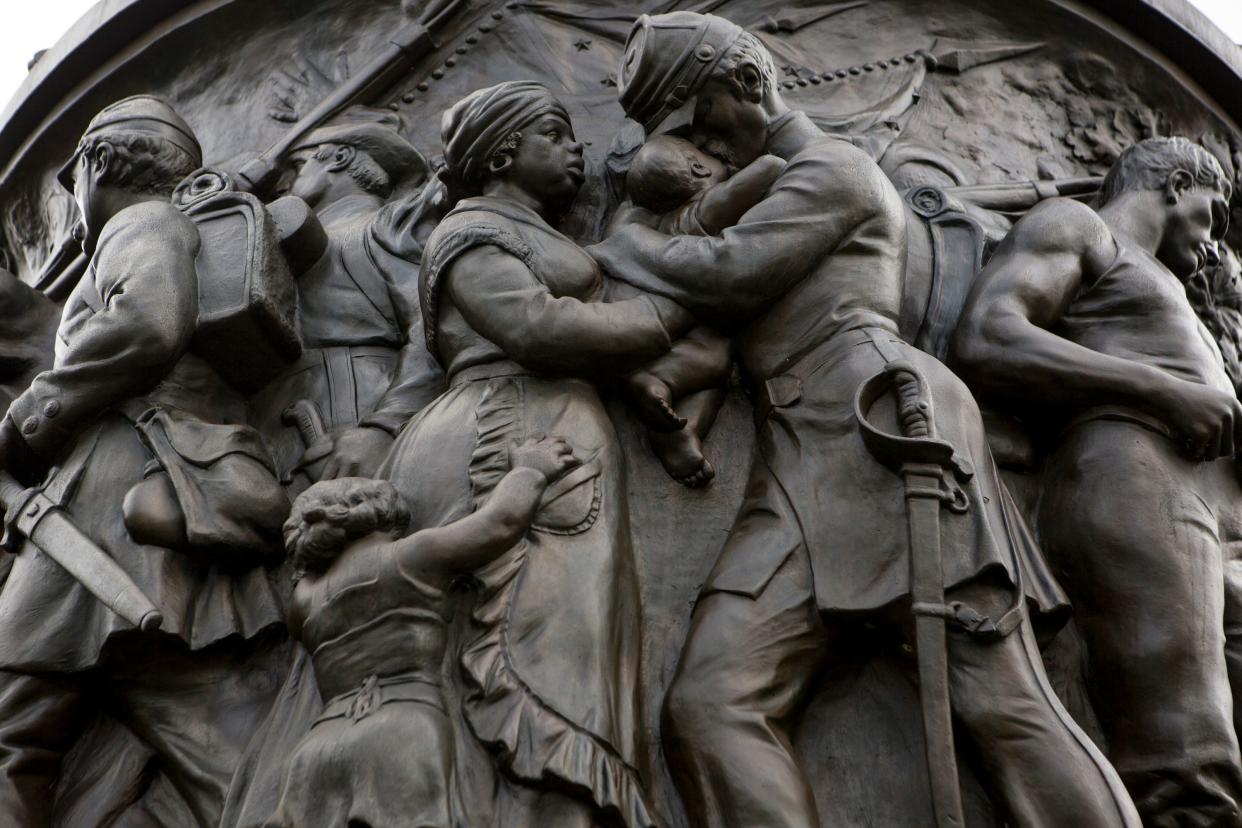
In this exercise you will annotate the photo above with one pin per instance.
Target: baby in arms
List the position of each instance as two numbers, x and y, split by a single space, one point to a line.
679 189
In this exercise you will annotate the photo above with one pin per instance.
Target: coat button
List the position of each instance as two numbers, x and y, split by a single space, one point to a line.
51 409
30 426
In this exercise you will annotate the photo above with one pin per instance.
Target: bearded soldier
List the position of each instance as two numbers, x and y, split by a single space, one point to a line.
366 367
152 464
810 280
1081 318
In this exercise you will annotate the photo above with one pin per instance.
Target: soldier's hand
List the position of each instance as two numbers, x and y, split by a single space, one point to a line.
357 453
1208 420
551 456
16 458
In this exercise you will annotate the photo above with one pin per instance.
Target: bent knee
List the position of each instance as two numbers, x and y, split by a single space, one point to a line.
699 707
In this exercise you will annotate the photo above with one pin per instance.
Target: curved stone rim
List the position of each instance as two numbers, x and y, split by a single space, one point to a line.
112 31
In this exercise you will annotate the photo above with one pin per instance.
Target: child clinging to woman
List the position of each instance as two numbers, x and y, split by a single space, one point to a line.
370 606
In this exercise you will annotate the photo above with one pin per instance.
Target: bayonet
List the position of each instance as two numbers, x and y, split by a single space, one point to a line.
32 514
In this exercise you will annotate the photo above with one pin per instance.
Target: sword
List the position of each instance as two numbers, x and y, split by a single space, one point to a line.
40 520
929 469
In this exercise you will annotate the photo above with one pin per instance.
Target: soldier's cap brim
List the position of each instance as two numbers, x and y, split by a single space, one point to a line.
387 147
680 118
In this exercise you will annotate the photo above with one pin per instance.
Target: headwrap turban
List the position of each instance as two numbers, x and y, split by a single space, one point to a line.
475 127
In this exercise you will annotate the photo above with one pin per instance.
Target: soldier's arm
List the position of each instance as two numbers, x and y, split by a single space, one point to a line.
1004 343
502 300
416 381
418 378
811 210
149 292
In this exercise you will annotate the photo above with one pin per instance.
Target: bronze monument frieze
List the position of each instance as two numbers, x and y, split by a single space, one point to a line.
542 413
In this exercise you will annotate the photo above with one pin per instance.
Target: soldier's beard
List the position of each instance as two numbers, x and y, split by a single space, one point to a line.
719 149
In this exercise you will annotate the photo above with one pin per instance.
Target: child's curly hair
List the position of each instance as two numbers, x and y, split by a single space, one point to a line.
331 513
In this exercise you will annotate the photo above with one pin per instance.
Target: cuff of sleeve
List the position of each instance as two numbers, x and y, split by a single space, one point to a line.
37 421
386 422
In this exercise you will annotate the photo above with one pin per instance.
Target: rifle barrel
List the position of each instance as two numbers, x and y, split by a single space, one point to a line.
403 50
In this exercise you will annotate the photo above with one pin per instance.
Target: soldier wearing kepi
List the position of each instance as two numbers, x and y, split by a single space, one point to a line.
366 366
811 281
152 463
1081 318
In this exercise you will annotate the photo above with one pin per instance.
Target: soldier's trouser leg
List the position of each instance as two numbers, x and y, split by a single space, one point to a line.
1039 765
1132 525
746 665
40 719
1233 636
196 709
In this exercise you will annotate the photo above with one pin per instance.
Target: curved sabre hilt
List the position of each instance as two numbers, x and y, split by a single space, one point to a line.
916 443
914 406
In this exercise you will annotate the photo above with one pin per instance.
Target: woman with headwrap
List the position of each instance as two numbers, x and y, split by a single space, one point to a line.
514 312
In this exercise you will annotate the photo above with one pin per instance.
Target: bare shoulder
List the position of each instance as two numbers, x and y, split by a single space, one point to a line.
1063 225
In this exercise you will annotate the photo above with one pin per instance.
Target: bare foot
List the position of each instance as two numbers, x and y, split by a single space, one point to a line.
654 401
681 453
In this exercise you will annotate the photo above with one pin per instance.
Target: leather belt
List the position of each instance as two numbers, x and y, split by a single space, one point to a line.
785 389
375 692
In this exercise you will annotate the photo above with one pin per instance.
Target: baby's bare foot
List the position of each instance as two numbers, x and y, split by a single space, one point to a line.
681 454
654 402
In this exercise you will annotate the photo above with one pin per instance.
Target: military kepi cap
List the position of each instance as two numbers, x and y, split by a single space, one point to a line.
141 115
667 59
377 132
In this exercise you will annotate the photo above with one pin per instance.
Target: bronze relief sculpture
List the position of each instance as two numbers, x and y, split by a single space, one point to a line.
676 415
810 280
150 457
1090 308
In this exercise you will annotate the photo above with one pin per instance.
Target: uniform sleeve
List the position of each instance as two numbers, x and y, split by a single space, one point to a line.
814 207
418 378
501 299
144 273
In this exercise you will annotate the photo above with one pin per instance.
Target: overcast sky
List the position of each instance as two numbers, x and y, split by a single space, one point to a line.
28 27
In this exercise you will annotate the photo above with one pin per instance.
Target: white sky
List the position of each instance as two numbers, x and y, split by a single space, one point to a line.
27 27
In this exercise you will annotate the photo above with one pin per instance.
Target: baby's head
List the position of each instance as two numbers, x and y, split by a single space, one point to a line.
668 171
331 513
